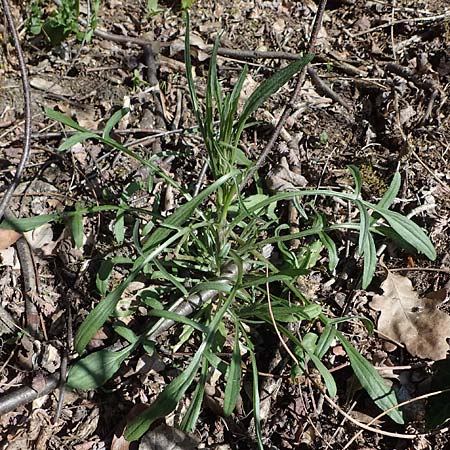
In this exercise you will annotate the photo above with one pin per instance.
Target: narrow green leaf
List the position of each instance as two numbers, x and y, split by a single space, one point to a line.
74 139
166 402
114 144
77 229
309 341
370 260
97 317
190 418
364 224
218 285
392 192
125 332
97 368
186 4
357 177
234 375
328 243
366 322
256 403
114 120
409 231
103 274
28 223
383 395
169 277
190 79
325 341
170 315
326 375
62 118
119 227
280 276
300 208
269 87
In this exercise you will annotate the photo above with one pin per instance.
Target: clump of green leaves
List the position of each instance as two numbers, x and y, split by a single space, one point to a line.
56 23
218 259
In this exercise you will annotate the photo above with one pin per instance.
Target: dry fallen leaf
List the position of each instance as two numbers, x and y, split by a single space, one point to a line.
282 179
413 321
164 437
7 238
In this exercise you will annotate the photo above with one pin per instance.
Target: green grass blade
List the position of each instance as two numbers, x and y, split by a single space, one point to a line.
329 244
409 231
391 194
62 118
76 226
190 79
357 177
114 144
325 341
255 391
170 315
232 103
234 376
383 395
269 87
326 375
114 120
97 368
167 401
28 223
74 139
211 89
103 275
364 224
190 418
370 261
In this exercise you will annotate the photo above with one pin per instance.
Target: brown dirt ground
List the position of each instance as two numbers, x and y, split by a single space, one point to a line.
388 122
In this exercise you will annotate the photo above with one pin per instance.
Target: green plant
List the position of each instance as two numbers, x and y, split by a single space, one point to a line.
218 259
57 24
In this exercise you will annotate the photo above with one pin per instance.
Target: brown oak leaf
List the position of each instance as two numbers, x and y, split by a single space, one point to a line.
414 321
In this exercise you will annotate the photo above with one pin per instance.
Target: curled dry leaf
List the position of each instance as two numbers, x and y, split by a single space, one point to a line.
416 322
282 179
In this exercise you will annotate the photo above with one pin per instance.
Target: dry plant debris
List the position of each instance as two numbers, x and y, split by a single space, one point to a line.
415 321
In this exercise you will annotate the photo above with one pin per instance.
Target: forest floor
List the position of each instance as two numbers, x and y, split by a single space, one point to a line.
377 98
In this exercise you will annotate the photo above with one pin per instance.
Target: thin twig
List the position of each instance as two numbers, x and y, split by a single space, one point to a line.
13 400
407 402
396 22
326 90
416 269
61 386
27 110
291 105
30 280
